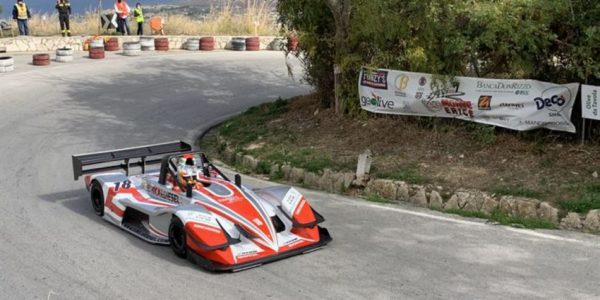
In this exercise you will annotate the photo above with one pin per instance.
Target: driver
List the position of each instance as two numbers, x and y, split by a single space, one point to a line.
186 169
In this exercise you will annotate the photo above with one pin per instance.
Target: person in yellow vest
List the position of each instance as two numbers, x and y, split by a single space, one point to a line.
21 14
138 14
64 11
122 10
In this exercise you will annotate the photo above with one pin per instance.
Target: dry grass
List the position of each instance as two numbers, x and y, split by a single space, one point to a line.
258 18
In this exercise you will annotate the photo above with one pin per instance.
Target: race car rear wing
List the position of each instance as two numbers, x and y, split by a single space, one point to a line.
142 156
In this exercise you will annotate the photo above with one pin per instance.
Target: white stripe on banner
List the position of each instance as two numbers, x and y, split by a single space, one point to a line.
514 104
589 102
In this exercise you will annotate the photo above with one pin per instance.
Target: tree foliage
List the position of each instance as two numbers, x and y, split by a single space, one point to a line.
556 41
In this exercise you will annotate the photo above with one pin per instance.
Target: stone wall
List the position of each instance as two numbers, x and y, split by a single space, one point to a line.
49 44
425 196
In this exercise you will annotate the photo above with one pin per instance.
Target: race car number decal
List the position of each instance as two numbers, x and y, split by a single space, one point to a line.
125 184
291 201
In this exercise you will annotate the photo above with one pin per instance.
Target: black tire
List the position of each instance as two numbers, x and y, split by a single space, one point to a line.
97 197
178 237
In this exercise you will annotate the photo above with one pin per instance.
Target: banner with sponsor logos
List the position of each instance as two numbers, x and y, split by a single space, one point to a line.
589 102
514 104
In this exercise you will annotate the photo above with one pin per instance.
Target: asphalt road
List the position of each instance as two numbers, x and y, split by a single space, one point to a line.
53 246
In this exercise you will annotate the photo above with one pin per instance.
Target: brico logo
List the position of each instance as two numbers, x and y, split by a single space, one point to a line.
554 99
376 101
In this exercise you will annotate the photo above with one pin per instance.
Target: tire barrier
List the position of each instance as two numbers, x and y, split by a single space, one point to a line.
238 44
96 43
207 43
41 59
64 54
192 44
252 43
7 64
132 49
2 49
161 44
147 43
112 44
97 53
292 44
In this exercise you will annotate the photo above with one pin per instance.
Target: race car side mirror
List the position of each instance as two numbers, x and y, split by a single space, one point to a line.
238 180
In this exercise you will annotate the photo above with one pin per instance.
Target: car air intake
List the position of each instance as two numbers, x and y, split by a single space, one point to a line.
279 226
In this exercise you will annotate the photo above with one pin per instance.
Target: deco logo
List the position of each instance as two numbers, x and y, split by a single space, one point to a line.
554 99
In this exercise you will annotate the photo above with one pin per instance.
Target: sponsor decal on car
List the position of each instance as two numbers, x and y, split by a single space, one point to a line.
165 195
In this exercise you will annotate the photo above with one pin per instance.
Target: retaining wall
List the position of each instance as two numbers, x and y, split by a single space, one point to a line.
39 44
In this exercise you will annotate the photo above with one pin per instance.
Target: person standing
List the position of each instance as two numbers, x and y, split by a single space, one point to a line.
21 14
64 11
122 10
139 18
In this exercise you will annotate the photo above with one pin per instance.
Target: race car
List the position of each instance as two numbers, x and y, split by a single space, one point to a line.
190 205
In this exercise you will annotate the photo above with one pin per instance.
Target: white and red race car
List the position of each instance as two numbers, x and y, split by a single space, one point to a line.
217 223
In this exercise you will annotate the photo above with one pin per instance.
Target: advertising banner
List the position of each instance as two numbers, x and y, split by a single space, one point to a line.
589 102
514 104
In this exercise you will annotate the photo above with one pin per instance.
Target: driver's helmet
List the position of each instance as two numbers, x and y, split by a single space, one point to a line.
187 170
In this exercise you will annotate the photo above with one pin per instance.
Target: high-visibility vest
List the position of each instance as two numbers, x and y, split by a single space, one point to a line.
21 11
122 9
139 15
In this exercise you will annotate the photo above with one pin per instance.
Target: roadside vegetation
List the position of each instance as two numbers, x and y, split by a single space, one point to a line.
303 134
257 17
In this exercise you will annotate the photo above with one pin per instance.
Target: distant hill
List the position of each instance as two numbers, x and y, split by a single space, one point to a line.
81 6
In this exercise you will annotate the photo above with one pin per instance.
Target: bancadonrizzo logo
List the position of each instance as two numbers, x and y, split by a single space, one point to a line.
499 85
554 99
376 101
375 79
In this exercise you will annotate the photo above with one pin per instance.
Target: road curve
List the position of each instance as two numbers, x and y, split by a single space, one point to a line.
53 246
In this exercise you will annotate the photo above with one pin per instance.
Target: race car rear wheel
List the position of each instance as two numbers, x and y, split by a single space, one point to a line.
97 198
177 237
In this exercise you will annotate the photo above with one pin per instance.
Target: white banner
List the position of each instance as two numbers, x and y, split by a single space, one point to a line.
589 102
514 104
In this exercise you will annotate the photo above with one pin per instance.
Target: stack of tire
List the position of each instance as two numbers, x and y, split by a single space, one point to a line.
96 43
132 49
192 44
207 43
64 54
147 43
2 49
252 43
7 64
238 44
41 59
161 44
112 44
97 52
292 44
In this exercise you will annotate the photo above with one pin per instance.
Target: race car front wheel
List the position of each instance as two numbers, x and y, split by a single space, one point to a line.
97 198
177 237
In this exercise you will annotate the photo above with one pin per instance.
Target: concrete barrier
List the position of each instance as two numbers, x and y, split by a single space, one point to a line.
37 44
